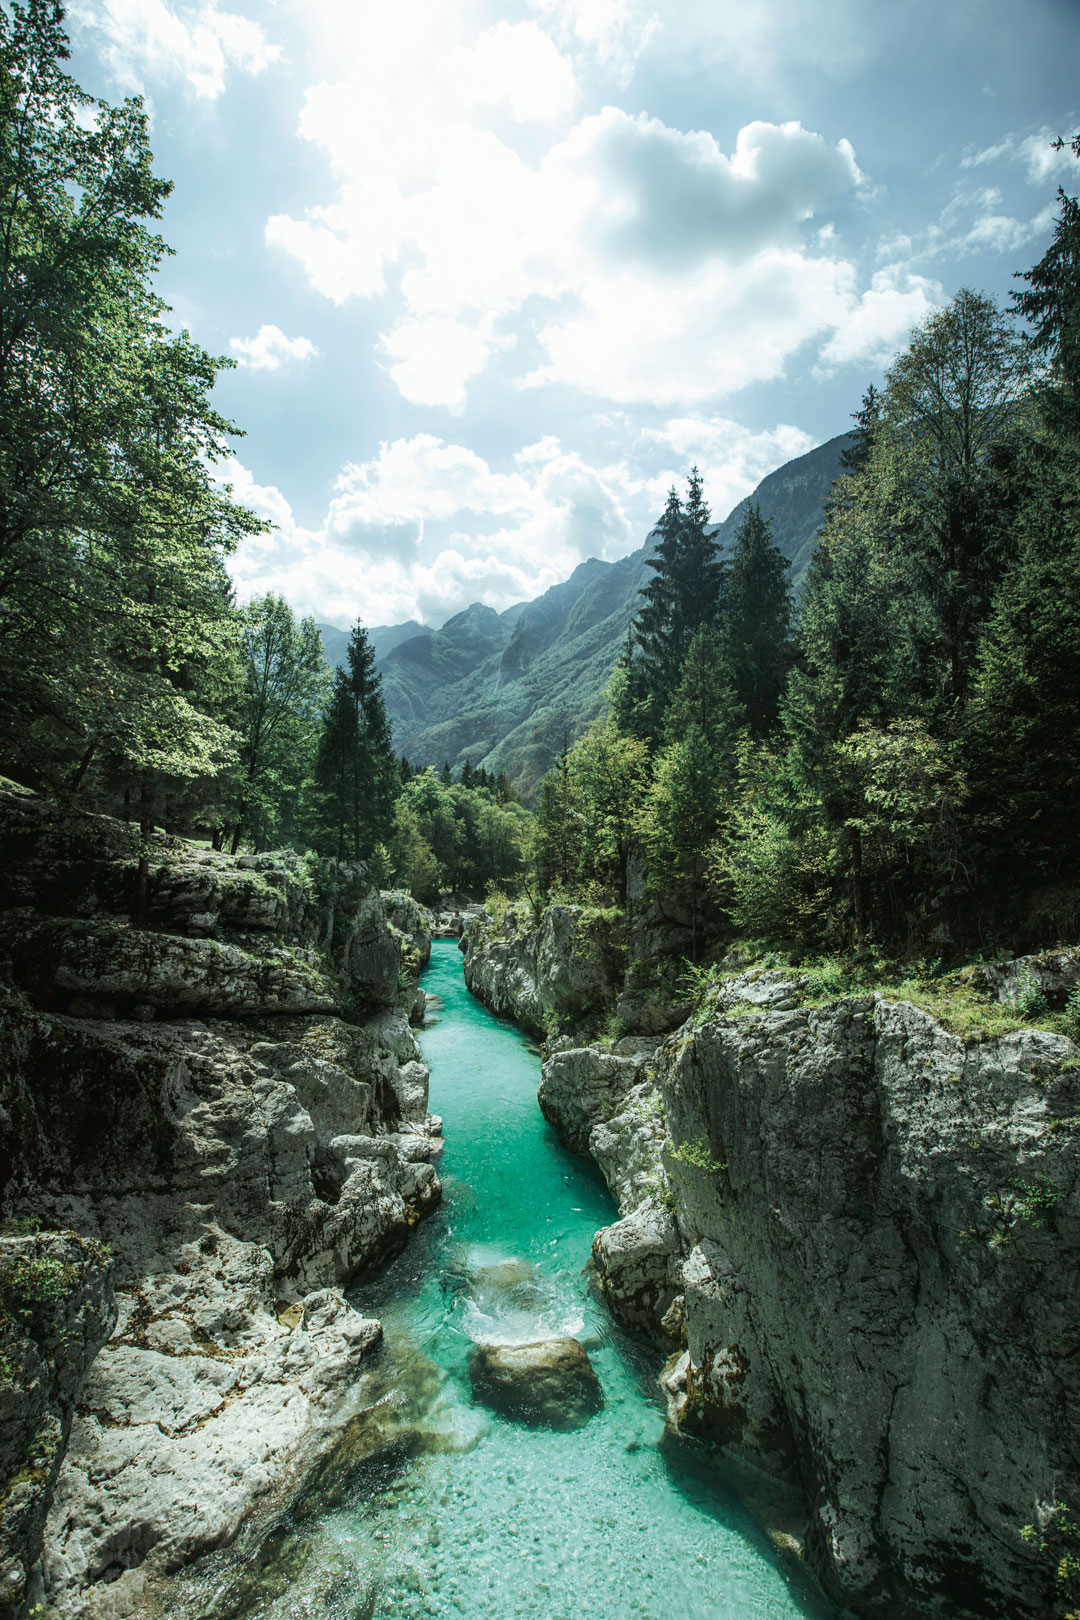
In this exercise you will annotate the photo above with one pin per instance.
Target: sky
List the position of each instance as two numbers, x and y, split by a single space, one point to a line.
494 276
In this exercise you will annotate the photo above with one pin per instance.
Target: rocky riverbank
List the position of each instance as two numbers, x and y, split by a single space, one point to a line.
213 1115
857 1233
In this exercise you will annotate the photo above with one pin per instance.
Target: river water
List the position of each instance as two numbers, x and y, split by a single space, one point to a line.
480 1517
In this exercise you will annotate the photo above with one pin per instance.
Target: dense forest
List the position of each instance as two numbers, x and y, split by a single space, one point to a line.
891 759
894 759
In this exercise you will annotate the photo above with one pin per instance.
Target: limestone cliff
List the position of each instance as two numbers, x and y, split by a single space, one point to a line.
208 1069
867 1228
562 972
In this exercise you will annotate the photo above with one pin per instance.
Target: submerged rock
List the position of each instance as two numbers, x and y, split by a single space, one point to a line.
550 1384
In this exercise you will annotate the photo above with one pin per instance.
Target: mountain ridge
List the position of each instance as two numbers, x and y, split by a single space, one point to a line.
502 690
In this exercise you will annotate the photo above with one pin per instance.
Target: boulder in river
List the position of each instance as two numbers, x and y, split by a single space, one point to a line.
548 1384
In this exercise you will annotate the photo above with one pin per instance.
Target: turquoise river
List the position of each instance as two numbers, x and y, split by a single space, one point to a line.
487 1519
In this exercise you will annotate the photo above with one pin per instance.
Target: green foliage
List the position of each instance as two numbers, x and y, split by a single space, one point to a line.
587 816
29 1281
449 835
286 683
756 621
698 1156
356 779
118 641
1059 1542
683 596
1038 1201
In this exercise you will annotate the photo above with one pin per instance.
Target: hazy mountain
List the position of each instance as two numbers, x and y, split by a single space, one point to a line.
383 637
502 689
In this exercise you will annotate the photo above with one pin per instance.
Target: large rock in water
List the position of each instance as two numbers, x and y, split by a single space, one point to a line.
550 1384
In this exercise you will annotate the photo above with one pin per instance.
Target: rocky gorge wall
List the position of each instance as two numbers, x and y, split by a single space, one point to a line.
213 1115
857 1235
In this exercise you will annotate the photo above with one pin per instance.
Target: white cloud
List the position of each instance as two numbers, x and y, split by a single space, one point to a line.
516 66
149 39
435 357
753 42
269 348
623 224
879 323
732 459
425 527
1034 152
637 339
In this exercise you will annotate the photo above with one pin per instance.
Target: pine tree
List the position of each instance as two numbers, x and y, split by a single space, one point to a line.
684 595
867 418
1051 306
696 776
356 773
757 620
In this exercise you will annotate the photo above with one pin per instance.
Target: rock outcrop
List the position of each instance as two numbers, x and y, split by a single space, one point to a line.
866 1231
208 1070
56 1311
563 972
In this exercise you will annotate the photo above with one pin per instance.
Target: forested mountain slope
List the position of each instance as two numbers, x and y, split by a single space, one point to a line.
502 689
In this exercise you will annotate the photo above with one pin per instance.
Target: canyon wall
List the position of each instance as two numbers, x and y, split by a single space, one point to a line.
857 1235
213 1115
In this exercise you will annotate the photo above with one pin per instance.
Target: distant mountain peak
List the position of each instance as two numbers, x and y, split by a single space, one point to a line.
500 689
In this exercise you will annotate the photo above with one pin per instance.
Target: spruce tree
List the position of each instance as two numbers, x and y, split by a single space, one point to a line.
356 773
757 620
684 595
696 776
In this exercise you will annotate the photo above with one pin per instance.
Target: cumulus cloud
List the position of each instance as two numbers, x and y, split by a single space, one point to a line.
618 224
435 357
878 325
270 348
516 66
150 39
426 526
732 459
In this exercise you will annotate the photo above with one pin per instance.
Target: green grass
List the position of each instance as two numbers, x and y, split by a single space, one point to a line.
953 998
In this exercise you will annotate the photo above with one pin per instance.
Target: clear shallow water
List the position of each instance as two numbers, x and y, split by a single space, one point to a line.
597 1524
476 1516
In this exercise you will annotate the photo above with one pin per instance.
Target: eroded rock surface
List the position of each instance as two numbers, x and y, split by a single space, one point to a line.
207 1067
562 972
550 1384
56 1311
865 1233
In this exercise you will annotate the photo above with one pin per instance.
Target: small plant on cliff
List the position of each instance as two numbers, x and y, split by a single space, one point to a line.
32 1280
1071 1015
1031 1001
1038 1200
698 1155
1059 1542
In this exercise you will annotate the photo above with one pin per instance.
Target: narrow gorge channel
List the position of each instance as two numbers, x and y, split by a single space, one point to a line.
479 1516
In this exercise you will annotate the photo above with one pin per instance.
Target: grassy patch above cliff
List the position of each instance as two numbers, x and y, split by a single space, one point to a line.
955 998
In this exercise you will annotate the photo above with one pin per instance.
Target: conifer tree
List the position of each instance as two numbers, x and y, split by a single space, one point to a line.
695 777
866 419
356 775
684 594
757 620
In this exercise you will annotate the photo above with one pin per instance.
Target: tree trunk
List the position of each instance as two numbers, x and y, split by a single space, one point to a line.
857 889
83 766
